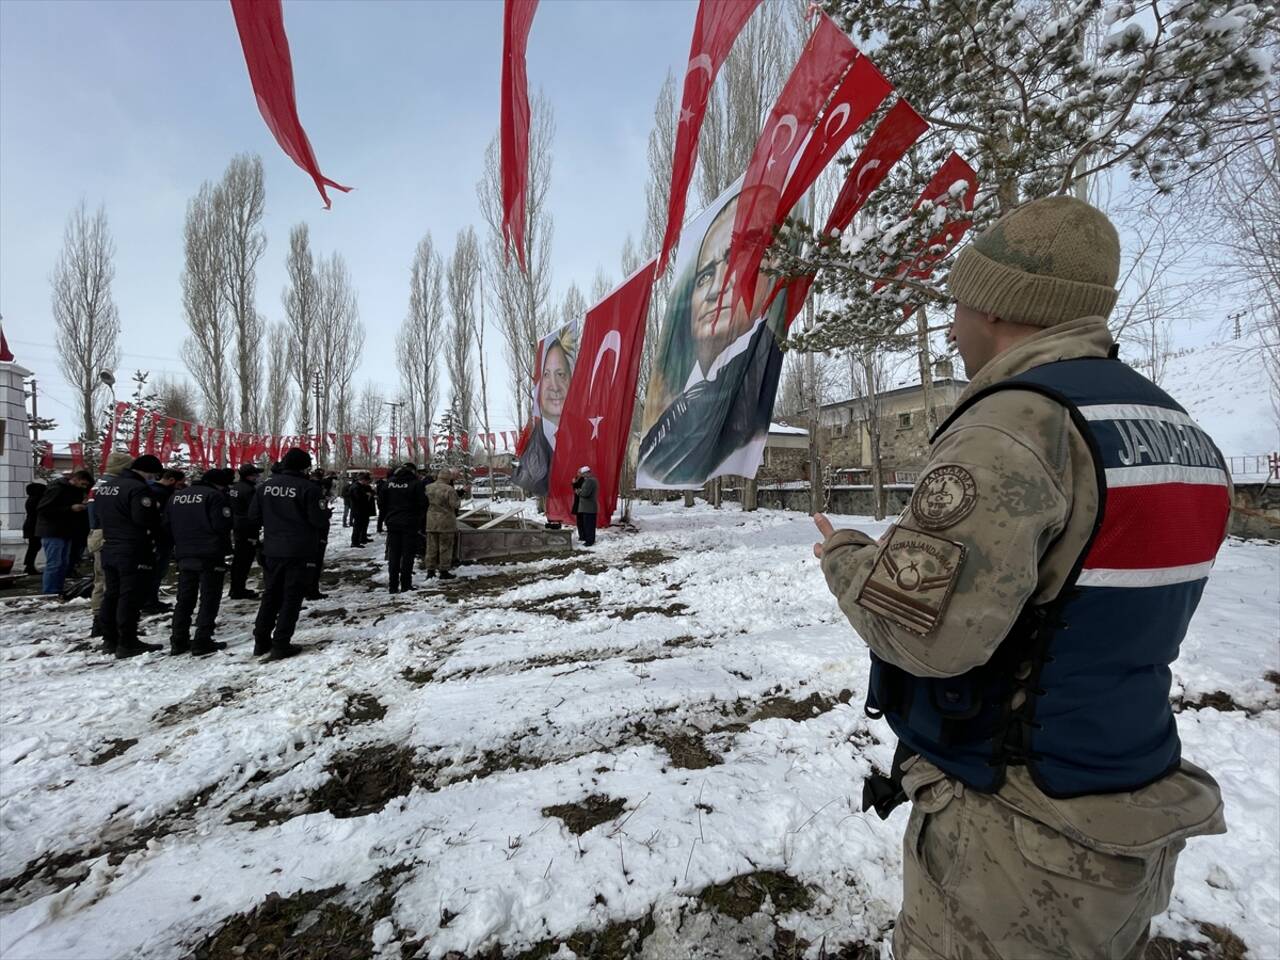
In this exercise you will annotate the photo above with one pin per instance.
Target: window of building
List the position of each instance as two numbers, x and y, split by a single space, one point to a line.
904 421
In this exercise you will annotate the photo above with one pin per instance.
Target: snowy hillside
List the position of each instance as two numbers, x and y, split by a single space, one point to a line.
1224 387
654 750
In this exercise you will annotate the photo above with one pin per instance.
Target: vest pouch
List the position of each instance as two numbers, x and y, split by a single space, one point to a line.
886 690
956 698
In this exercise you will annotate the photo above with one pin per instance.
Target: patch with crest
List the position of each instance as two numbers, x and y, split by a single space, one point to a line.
943 497
912 579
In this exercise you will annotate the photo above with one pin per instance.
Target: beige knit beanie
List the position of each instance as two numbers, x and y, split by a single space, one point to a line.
118 462
1049 261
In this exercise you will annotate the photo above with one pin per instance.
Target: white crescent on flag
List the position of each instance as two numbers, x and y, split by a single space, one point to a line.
701 62
789 123
612 342
842 112
865 170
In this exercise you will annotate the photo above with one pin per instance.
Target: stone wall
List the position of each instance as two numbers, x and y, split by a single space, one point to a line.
17 468
855 501
1255 511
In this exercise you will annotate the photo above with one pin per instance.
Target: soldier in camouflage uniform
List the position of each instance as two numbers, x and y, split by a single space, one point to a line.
1023 612
442 524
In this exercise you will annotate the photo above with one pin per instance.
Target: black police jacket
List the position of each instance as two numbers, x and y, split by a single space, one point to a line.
127 512
241 495
290 511
200 521
54 516
404 501
362 499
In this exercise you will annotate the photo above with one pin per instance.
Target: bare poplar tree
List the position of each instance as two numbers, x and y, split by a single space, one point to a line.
522 300
419 341
339 342
241 197
462 280
370 413
573 306
602 284
301 310
84 314
277 394
208 347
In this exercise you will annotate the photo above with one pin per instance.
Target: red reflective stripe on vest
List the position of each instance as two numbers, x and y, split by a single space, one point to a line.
1160 525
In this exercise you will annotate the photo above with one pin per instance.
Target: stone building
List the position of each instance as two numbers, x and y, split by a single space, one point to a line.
845 441
786 454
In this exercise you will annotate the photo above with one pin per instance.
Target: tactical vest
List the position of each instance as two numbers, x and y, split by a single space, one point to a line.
1079 689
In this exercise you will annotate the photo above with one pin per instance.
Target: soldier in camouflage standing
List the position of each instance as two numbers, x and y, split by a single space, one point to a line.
442 524
1023 613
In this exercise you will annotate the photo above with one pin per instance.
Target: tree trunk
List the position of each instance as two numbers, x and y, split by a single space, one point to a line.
926 370
750 495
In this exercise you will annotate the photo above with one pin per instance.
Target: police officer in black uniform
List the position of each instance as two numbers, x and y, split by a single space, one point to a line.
130 519
363 501
404 510
290 510
200 522
244 533
325 483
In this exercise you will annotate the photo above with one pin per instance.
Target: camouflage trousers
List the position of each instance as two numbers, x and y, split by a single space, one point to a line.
981 880
94 546
439 550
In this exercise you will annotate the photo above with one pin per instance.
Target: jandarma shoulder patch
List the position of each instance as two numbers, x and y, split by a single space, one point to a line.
912 580
943 497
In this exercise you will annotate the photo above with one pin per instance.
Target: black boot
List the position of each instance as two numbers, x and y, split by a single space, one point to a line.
285 652
243 595
178 647
446 575
261 647
125 651
206 647
96 629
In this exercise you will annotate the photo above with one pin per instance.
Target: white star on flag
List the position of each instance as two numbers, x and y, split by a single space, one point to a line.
595 426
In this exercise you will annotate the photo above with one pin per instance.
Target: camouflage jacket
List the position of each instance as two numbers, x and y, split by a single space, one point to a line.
442 507
1013 481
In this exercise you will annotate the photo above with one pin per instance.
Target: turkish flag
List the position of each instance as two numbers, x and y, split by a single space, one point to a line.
266 54
167 441
77 456
596 421
517 19
46 457
718 24
944 188
824 59
900 128
861 91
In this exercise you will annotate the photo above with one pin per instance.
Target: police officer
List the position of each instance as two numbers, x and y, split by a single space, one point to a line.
326 484
1023 611
200 521
244 533
404 507
380 490
127 512
442 525
362 499
289 508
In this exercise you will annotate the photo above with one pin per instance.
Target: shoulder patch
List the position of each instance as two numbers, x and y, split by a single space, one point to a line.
226 511
943 497
912 579
146 501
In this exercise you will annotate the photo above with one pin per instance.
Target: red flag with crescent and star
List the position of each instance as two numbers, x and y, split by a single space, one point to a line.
860 93
596 421
517 19
266 54
827 55
717 25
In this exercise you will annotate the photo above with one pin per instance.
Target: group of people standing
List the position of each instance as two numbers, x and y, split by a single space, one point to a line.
140 516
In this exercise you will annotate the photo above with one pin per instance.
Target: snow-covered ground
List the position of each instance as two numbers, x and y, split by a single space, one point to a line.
687 698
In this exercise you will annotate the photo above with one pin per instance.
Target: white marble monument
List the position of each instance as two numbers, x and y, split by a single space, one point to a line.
17 468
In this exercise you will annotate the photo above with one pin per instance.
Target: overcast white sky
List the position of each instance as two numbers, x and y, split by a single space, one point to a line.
134 104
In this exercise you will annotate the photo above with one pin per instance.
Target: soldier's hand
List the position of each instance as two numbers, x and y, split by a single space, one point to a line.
825 529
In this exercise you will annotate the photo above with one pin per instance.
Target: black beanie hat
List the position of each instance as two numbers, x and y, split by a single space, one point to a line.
147 464
219 476
296 459
248 470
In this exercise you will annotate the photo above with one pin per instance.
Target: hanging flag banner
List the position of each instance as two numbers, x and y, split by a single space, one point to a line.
717 25
860 93
825 58
77 455
552 372
596 423
266 54
955 185
517 19
893 137
716 365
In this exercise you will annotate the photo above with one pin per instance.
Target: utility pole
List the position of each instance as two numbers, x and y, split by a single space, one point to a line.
35 423
315 386
926 370
395 409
